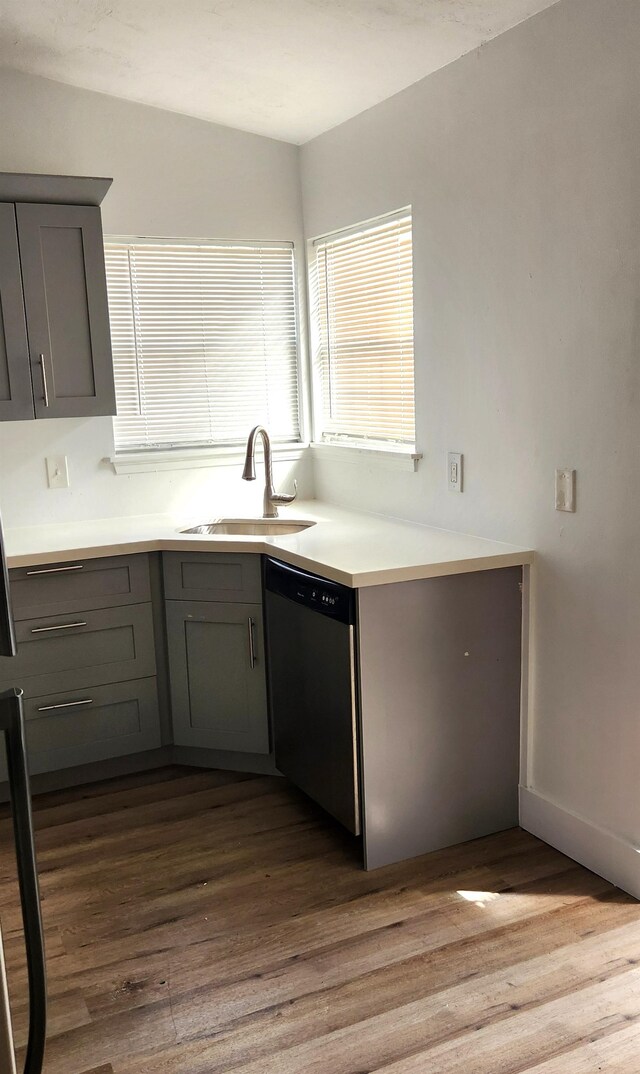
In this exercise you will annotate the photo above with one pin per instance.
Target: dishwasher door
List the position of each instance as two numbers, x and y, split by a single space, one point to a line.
312 688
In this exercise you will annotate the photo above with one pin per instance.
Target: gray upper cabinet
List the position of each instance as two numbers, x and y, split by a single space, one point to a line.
65 299
16 397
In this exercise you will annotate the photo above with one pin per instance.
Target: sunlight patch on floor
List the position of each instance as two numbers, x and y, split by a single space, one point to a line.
480 898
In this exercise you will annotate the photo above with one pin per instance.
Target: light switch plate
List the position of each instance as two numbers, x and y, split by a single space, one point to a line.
565 490
57 472
454 471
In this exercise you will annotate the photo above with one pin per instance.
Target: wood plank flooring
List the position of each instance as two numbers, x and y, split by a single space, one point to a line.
202 922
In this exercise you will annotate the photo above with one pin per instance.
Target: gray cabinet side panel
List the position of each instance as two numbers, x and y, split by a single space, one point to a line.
16 397
65 293
440 711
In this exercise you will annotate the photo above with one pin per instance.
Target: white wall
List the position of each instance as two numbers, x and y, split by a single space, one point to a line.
522 163
172 176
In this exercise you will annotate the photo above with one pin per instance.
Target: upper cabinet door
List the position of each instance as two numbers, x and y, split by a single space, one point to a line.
16 399
65 297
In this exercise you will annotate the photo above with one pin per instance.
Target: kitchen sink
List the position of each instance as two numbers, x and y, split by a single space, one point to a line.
251 527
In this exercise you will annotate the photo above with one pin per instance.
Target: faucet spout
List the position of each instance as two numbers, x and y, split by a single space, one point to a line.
271 497
249 472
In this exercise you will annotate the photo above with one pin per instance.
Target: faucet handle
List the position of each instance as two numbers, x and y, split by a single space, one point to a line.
286 497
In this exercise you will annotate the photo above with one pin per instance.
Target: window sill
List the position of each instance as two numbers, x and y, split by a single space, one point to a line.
388 458
150 462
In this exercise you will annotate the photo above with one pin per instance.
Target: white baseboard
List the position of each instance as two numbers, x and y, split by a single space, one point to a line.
596 848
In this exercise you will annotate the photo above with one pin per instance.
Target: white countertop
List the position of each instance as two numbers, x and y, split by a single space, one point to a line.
347 546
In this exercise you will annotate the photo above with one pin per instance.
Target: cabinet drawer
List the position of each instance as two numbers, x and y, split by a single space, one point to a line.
212 576
77 727
87 649
56 588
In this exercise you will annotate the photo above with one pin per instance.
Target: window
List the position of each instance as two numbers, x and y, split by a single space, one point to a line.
362 295
204 342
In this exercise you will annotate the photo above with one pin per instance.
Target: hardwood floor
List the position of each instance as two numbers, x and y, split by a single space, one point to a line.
201 922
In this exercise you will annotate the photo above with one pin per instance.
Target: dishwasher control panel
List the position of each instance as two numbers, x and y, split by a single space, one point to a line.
320 594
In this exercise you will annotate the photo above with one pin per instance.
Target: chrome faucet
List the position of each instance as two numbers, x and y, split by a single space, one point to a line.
271 497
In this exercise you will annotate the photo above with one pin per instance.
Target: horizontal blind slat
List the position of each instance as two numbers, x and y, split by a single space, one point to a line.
204 342
363 307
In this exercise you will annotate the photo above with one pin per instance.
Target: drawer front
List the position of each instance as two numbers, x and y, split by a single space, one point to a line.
57 588
78 727
212 576
87 649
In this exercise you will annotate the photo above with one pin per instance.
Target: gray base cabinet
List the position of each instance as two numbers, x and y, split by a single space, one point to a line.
217 675
86 661
215 642
438 668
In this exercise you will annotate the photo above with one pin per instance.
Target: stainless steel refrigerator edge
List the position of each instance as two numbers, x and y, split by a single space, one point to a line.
12 724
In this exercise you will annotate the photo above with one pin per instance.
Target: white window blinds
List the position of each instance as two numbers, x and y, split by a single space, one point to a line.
363 304
204 342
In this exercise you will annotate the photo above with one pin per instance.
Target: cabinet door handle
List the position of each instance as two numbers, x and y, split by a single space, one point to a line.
57 570
66 705
59 626
252 646
45 390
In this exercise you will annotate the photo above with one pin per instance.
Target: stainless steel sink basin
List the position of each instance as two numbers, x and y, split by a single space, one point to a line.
251 527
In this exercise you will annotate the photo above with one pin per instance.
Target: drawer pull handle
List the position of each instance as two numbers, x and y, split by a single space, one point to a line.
57 570
59 626
252 647
66 705
45 389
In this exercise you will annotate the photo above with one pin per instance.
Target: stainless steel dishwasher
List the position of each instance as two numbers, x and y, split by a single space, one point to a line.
312 687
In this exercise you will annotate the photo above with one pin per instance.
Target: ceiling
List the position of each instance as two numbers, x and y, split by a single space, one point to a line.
289 69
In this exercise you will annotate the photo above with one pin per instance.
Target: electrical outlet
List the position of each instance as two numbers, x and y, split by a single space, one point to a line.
565 490
57 472
454 471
